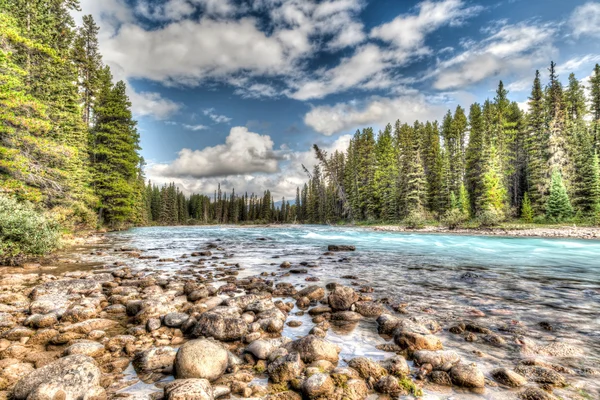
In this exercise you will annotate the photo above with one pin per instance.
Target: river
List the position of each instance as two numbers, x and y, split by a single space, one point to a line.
524 289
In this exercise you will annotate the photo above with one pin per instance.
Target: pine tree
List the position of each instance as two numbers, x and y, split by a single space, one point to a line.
559 207
586 193
493 203
595 105
115 161
87 57
475 161
432 165
537 148
386 175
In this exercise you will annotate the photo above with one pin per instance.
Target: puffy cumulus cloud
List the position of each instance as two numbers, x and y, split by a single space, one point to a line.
330 120
281 184
510 50
243 152
189 51
408 32
585 20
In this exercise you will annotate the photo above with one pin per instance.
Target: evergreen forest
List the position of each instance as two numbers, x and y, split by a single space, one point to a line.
70 153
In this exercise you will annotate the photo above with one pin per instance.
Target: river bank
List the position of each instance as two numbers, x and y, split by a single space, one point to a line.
205 313
569 232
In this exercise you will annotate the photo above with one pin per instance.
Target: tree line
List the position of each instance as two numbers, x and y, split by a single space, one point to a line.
68 142
492 164
167 205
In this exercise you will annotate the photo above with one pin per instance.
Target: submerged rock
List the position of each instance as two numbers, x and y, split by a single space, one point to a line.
312 348
286 368
340 247
318 386
156 359
439 360
367 368
189 389
509 378
342 298
534 393
262 348
467 375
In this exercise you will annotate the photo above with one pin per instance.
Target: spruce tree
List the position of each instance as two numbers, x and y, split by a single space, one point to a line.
88 60
537 148
386 175
558 207
493 204
595 105
114 146
475 161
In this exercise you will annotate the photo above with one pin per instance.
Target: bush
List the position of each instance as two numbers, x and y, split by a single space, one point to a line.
490 217
24 231
454 218
415 220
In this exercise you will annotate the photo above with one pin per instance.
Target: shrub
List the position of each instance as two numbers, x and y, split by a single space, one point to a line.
490 217
24 231
414 220
454 218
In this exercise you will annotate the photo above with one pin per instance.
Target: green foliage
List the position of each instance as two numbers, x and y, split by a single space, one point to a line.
24 231
490 217
415 220
559 207
494 195
526 210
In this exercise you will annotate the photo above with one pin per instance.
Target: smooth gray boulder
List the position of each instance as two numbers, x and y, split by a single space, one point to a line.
75 375
202 358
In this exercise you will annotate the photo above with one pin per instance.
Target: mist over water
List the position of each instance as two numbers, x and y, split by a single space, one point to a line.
511 281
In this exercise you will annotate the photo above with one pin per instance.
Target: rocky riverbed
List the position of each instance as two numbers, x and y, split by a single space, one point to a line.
114 321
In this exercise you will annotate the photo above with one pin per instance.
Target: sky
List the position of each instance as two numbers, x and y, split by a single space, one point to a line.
235 92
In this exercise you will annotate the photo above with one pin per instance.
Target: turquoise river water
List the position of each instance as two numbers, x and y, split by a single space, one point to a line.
530 283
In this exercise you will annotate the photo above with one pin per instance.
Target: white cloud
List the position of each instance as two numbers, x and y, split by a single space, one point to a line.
256 91
578 63
408 31
341 117
243 152
175 10
195 128
110 15
365 67
370 66
190 51
218 119
281 184
585 20
510 50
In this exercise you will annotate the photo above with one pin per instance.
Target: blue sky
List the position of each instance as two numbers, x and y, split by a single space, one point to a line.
236 91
